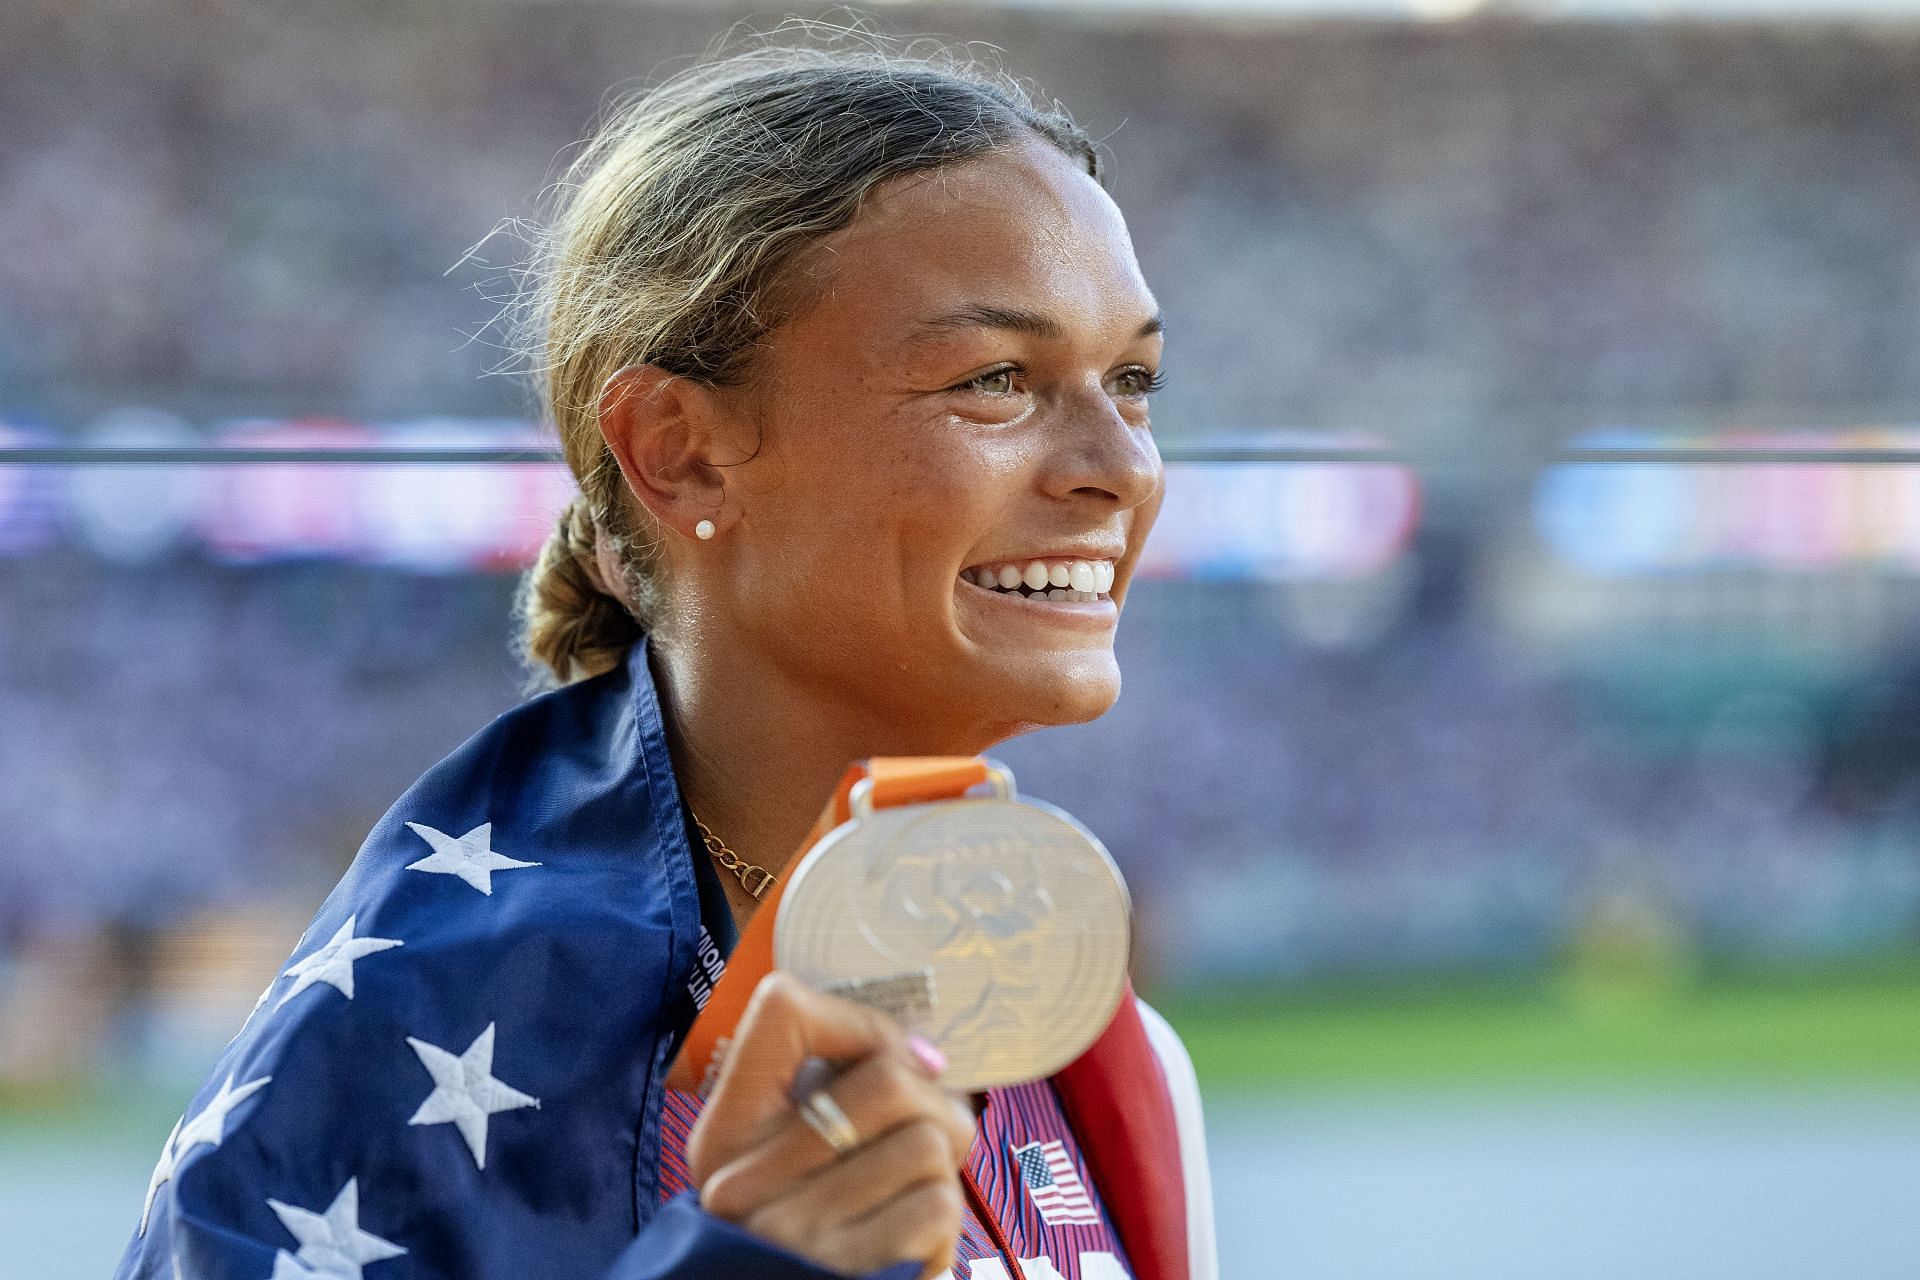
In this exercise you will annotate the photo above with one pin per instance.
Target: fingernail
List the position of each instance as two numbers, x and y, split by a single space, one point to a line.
928 1054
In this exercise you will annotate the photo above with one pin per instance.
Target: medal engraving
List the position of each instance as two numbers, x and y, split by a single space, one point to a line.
907 996
1013 907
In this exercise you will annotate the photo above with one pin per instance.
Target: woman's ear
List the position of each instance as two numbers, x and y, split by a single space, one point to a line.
664 431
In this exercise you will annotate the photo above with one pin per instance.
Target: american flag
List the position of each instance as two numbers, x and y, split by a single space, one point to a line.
457 1076
1055 1185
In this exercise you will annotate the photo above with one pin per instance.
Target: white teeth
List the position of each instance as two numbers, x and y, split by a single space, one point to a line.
1062 580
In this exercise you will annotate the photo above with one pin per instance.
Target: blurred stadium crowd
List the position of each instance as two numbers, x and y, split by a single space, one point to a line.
1488 229
1431 794
1486 236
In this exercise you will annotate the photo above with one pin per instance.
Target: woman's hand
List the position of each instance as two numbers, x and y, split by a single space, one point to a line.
893 1198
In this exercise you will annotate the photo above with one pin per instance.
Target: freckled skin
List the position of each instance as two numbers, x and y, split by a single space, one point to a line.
871 462
825 620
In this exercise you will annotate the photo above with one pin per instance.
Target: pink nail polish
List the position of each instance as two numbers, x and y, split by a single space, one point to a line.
928 1054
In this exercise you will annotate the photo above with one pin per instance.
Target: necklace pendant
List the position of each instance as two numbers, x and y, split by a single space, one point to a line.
754 879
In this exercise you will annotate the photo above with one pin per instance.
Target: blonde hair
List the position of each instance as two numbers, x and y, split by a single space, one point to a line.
669 244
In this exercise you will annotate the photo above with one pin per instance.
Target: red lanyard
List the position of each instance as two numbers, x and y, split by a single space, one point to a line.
987 1220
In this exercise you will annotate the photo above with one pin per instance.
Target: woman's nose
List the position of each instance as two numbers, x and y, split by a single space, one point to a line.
1099 452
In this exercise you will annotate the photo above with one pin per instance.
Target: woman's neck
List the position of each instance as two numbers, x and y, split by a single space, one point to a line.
757 754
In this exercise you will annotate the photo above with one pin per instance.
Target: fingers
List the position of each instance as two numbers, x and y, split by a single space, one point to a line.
925 1219
895 1197
887 1090
850 1189
881 1095
784 1024
920 1222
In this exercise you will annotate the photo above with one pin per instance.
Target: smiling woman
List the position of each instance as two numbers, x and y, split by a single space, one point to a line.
961 384
851 357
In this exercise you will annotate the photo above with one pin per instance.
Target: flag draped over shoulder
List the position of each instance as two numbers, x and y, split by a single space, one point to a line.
458 1073
461 1071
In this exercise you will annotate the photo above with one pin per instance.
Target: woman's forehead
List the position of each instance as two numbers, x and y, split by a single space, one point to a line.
1023 231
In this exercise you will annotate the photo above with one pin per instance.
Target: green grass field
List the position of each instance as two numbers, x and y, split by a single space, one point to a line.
1859 1023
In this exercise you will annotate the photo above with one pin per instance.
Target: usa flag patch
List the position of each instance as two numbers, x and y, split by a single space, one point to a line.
1055 1185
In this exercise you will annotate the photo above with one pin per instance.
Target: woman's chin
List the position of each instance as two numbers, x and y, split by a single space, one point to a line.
1040 691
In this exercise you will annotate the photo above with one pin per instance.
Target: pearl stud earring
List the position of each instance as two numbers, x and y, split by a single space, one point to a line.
703 530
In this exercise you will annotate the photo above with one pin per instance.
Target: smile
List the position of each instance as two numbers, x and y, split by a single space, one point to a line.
1075 581
1021 606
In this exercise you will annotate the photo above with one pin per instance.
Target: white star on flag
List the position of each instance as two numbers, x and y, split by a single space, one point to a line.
205 1130
467 856
333 963
465 1091
332 1245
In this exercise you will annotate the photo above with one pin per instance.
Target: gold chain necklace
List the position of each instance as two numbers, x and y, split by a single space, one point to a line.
753 879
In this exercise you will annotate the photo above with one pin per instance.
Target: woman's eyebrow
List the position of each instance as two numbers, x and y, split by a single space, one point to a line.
1033 324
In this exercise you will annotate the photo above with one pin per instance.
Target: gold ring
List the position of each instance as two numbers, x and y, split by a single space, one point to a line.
824 1116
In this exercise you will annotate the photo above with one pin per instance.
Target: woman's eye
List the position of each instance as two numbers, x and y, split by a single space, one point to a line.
1136 382
997 383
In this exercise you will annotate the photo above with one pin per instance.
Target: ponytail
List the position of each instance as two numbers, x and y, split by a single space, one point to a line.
571 620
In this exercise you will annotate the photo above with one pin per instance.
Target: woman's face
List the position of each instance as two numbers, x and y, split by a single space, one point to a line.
964 398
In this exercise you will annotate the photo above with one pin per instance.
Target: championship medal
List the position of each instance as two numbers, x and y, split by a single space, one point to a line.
992 924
